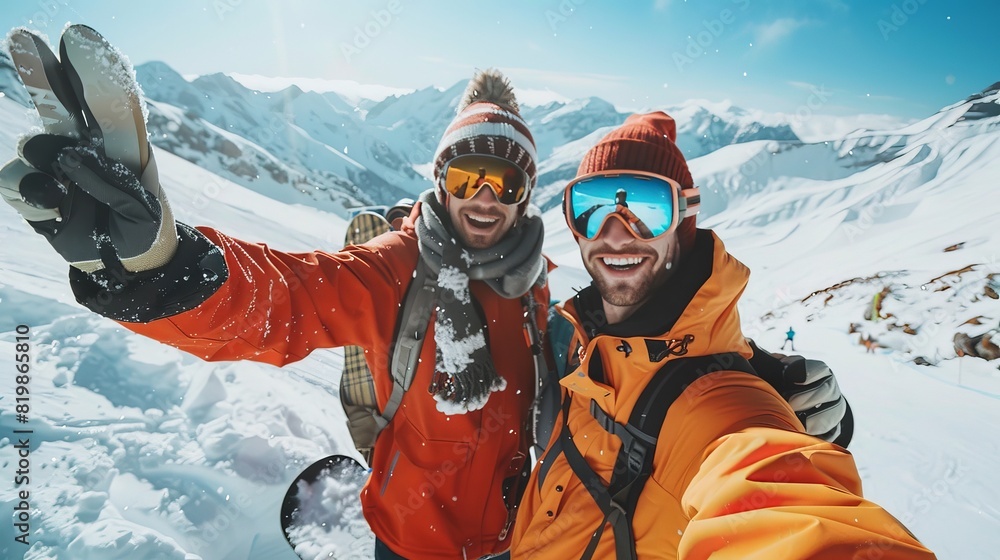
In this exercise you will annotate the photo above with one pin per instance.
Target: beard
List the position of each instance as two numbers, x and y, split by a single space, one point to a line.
473 239
634 290
623 293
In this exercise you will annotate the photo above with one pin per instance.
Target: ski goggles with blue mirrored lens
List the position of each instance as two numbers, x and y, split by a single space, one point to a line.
650 205
463 176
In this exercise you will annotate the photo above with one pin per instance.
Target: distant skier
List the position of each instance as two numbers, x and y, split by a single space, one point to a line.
789 337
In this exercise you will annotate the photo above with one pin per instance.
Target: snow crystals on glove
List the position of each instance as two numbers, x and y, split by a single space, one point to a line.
122 73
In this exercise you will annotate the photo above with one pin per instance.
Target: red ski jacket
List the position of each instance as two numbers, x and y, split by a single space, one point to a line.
441 486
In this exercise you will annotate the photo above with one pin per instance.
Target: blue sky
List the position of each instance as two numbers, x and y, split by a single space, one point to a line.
900 57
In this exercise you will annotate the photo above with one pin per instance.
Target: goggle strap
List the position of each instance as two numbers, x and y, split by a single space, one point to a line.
688 202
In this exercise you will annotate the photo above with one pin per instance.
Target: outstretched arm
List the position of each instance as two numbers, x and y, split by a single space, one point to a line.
754 487
277 307
89 184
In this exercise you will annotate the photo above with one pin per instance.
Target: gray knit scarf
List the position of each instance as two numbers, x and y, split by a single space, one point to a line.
465 374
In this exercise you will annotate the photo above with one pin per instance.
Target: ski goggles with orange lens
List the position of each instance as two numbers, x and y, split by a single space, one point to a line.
465 175
649 205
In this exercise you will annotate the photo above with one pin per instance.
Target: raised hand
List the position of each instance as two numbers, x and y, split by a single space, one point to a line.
88 181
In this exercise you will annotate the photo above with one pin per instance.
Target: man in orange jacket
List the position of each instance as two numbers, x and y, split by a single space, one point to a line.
446 467
668 445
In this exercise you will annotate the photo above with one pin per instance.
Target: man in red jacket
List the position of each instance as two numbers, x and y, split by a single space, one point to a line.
446 467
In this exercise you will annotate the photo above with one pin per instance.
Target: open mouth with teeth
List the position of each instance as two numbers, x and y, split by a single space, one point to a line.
479 221
622 263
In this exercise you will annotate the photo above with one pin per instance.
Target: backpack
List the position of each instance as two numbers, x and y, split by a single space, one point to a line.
357 389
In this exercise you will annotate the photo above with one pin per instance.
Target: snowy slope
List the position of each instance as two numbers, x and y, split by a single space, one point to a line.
140 451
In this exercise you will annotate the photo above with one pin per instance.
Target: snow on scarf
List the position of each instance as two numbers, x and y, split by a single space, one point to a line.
465 374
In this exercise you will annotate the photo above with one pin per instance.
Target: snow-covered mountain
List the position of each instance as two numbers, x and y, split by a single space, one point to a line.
292 145
336 150
141 451
899 213
340 150
702 128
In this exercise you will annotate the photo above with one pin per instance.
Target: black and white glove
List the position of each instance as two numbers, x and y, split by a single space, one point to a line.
88 182
811 390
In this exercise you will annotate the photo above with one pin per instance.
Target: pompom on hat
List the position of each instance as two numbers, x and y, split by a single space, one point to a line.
488 122
645 143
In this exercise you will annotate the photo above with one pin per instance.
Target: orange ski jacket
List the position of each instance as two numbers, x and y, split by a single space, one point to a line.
441 486
733 475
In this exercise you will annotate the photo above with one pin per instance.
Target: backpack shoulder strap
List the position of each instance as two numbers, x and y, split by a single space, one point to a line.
415 317
560 332
545 405
548 394
669 382
634 463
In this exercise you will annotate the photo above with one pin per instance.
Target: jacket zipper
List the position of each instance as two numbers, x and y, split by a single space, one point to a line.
392 467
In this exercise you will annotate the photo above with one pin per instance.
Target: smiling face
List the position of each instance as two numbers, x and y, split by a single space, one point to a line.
626 269
482 220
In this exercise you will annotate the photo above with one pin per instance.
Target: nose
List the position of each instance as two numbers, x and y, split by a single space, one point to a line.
615 233
486 198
